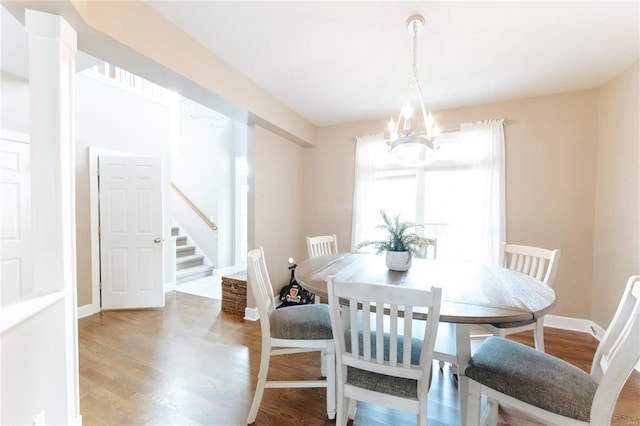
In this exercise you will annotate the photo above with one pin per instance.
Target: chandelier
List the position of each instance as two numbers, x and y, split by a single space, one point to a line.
410 145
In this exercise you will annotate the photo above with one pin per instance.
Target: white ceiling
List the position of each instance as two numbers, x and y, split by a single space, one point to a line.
344 61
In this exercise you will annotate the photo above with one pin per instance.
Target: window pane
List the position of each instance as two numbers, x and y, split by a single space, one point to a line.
394 195
451 200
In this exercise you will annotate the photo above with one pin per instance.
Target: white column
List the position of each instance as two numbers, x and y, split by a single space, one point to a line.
52 48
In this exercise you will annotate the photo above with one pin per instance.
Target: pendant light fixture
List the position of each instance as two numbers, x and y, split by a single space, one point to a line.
412 142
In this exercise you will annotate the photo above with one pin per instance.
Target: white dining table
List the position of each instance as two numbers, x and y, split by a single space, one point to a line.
472 293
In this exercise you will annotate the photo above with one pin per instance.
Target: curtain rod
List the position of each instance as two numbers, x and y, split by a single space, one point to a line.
506 122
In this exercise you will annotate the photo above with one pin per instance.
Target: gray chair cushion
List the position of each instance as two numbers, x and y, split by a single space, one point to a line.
398 386
305 322
405 388
534 377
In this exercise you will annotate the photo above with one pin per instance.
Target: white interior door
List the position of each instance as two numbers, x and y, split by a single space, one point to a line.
15 222
131 240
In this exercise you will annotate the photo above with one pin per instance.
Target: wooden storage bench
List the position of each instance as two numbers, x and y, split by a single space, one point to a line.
234 293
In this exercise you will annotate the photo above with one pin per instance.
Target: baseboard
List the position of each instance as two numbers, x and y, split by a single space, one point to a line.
574 324
87 310
171 285
78 421
580 325
251 314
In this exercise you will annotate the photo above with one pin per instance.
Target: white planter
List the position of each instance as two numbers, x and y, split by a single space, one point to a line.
398 260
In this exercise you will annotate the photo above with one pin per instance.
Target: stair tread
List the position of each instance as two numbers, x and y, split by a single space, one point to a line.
185 247
189 258
194 270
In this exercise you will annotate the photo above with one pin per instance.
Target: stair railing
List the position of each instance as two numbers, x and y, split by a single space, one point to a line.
194 208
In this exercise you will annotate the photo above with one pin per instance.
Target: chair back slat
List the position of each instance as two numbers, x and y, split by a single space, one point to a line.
353 319
540 268
406 355
322 245
366 338
393 325
538 263
380 331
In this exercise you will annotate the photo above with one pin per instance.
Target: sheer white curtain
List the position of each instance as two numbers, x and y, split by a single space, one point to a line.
487 221
369 150
459 198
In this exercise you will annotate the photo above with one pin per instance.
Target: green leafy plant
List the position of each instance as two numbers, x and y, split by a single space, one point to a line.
400 239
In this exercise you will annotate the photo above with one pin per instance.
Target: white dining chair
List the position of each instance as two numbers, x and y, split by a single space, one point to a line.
382 358
319 246
551 389
430 246
539 263
289 330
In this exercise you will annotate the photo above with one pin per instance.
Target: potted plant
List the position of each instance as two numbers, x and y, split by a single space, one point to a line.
401 244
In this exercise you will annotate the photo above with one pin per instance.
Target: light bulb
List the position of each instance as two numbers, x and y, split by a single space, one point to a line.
393 131
430 120
407 117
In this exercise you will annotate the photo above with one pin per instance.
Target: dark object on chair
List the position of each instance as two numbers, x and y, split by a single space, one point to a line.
293 294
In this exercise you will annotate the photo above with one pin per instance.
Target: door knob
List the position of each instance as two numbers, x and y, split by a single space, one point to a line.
157 240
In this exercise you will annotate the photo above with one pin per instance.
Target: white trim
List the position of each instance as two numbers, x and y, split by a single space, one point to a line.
87 310
169 286
597 331
78 420
14 314
10 135
251 314
574 324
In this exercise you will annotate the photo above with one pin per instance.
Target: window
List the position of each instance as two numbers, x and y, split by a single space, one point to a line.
459 198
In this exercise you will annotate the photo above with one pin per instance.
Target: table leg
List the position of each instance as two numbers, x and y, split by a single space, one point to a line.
463 352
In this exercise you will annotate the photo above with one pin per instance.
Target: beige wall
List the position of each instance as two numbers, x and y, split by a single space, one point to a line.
550 167
617 209
277 203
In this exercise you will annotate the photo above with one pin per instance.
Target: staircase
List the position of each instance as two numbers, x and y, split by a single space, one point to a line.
189 265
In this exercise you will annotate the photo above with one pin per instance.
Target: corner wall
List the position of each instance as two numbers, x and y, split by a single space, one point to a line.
279 194
616 254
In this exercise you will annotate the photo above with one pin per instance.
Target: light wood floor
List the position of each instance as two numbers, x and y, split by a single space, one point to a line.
190 363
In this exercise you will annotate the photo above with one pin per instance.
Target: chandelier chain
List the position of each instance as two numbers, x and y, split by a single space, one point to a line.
415 52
